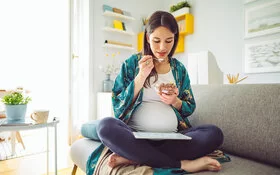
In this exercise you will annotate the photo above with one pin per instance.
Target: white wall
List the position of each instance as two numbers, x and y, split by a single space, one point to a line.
219 28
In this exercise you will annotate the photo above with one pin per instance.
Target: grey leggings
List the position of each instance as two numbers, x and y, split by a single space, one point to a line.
118 137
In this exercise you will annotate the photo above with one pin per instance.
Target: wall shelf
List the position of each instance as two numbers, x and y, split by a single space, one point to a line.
117 15
118 47
140 41
110 29
185 23
117 38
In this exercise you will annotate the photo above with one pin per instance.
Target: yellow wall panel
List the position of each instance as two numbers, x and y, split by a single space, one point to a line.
140 41
181 44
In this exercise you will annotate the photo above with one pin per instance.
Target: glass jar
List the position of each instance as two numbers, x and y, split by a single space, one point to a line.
108 84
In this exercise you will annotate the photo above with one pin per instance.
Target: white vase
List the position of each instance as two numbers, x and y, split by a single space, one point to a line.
181 11
108 84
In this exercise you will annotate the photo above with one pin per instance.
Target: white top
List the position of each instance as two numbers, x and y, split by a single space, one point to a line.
153 115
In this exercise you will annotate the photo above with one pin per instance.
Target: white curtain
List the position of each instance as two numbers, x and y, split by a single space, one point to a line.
79 67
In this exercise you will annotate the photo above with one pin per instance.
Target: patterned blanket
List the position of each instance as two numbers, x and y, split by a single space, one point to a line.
102 167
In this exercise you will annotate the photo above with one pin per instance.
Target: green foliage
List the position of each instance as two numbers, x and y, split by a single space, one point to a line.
15 98
178 6
144 21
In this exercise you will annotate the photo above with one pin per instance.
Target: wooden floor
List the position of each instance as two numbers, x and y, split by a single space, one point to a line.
34 165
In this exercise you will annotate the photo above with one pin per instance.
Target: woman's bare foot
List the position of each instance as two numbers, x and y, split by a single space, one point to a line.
201 164
115 160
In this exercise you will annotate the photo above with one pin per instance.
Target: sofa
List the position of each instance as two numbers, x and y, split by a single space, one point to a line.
249 116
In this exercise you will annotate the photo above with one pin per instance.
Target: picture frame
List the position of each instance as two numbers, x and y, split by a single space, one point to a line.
262 57
262 18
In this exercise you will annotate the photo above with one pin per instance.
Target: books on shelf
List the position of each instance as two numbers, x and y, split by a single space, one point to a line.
117 43
107 8
118 22
117 10
118 47
119 25
123 26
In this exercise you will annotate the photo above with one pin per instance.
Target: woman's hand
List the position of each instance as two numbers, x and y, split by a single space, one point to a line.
169 99
146 65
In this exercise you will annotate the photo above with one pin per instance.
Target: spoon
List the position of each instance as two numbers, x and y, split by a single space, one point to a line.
159 59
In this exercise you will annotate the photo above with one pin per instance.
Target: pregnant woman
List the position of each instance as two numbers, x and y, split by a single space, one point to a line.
138 106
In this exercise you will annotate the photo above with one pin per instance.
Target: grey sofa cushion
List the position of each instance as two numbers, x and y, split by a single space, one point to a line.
249 116
81 150
241 166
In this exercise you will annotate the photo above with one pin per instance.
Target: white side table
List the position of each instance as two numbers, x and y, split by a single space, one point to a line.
47 125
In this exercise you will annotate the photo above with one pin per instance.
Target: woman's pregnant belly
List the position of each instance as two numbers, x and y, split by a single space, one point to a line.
154 116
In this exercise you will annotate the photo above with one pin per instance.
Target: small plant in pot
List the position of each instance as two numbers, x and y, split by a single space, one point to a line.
15 105
183 6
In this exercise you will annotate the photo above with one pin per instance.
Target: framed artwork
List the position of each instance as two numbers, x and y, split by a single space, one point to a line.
262 18
262 57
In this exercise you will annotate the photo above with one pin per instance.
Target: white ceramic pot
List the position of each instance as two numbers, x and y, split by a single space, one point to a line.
181 11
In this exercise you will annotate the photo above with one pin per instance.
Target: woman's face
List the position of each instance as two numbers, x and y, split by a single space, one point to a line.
161 42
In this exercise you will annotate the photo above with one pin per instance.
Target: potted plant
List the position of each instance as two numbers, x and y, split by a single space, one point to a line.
144 22
180 8
15 104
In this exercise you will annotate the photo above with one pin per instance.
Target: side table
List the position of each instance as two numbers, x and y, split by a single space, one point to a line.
30 126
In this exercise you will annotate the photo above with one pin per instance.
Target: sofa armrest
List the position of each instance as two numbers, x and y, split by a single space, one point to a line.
81 150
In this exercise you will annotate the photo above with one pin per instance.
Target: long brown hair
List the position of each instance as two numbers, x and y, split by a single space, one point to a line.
158 19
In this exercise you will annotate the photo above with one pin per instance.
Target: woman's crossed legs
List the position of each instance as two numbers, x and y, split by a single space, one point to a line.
185 154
